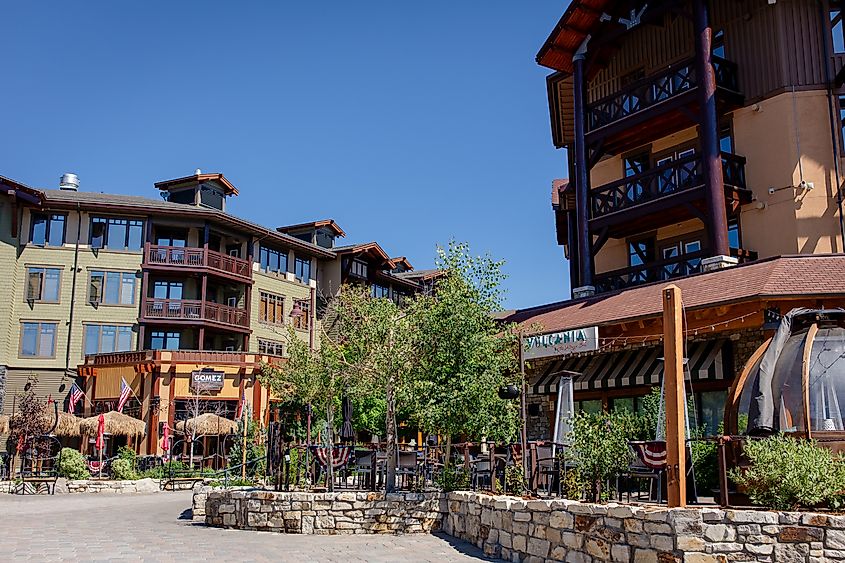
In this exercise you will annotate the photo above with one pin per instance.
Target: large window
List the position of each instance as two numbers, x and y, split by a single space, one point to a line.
836 28
272 309
38 340
271 347
102 339
380 291
273 260
48 229
163 340
303 320
640 252
112 288
43 285
164 289
114 233
302 269
358 268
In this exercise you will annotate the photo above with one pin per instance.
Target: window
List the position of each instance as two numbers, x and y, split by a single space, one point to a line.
726 140
378 291
162 340
38 340
836 30
718 44
272 309
271 347
116 234
399 298
733 234
302 321
102 339
640 252
592 406
47 229
167 289
273 260
42 284
842 123
358 268
711 409
302 269
112 288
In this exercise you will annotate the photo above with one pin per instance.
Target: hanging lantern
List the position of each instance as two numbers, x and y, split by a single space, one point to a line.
508 392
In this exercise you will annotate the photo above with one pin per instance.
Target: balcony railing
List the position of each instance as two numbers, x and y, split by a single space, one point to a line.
185 309
652 90
662 270
214 357
662 181
185 257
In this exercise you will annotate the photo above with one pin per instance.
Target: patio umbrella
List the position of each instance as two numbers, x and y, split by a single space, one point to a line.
68 425
115 423
208 424
4 424
346 430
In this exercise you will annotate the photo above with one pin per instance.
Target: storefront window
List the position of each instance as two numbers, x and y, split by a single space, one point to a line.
623 404
592 407
711 409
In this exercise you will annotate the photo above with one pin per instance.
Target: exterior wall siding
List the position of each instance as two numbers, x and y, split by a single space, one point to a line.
290 289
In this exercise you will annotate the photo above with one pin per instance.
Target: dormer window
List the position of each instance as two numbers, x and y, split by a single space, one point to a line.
211 197
207 190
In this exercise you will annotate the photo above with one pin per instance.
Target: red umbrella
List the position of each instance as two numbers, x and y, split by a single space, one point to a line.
101 429
165 439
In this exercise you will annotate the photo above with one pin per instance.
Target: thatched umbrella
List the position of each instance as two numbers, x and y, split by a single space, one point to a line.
68 425
4 424
208 424
116 424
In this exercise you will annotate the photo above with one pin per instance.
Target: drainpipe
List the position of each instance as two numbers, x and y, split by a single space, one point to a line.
73 286
830 100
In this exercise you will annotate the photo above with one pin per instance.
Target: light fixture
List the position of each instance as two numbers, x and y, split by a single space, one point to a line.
296 312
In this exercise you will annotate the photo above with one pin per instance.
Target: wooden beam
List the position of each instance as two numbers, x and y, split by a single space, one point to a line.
673 385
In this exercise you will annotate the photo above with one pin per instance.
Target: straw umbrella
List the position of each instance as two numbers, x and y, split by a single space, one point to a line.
68 425
116 424
4 424
207 424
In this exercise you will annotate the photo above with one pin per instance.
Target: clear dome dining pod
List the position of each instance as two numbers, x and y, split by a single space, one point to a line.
795 381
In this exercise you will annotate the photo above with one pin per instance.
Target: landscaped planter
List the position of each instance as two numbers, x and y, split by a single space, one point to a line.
543 530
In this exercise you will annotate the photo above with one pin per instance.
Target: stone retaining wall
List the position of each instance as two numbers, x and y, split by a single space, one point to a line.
543 530
324 513
66 486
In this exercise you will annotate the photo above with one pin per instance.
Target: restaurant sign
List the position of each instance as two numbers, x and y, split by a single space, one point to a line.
561 343
207 379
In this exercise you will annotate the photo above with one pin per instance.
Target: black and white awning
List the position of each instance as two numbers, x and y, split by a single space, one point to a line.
706 361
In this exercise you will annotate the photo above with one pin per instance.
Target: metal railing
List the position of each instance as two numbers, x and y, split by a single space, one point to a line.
647 92
661 181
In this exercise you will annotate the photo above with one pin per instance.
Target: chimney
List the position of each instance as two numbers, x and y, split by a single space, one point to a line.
69 182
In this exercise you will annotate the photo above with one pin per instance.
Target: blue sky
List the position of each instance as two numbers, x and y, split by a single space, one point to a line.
408 123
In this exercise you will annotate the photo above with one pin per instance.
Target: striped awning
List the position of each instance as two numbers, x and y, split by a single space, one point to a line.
706 361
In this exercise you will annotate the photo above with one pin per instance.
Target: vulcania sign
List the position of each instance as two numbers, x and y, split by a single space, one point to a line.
561 343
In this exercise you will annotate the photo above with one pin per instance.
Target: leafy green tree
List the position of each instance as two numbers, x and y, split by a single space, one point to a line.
464 355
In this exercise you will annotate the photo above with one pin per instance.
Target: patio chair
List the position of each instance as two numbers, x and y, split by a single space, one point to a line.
650 465
406 467
362 468
482 474
546 469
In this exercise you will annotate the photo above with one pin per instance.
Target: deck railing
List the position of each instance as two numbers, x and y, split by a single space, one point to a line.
180 256
187 309
652 90
662 181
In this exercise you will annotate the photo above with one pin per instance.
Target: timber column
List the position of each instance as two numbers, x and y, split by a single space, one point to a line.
582 181
711 158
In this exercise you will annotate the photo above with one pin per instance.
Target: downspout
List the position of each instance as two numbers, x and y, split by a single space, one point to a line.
73 286
832 117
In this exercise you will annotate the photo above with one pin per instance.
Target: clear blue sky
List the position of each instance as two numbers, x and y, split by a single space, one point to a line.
408 123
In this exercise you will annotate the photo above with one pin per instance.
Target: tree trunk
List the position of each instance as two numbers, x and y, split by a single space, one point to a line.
390 425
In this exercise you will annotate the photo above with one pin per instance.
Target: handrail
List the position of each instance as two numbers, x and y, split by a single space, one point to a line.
661 181
191 257
653 89
192 309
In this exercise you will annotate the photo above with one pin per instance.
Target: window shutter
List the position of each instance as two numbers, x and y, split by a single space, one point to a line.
34 283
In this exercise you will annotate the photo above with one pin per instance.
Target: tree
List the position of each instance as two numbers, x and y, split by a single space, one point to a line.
464 355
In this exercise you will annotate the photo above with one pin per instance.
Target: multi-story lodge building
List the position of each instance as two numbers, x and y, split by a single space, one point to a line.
705 146
102 288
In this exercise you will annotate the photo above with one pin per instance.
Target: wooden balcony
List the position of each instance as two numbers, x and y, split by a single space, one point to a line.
179 311
152 359
661 270
657 105
663 195
180 258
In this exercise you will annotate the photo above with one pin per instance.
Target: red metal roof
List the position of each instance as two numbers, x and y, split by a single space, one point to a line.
800 276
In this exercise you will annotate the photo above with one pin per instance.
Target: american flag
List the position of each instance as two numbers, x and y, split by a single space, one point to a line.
76 393
125 391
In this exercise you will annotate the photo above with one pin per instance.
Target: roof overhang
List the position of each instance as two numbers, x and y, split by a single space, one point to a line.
324 223
21 191
228 187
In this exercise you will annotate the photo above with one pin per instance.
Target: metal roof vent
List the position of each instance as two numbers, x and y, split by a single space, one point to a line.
69 182
197 172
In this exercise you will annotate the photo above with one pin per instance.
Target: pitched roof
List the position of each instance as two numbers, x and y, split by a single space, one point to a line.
580 18
401 260
559 187
797 276
118 202
369 247
29 193
420 275
315 224
213 177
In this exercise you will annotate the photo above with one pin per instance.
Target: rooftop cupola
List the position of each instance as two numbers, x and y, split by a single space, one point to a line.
206 190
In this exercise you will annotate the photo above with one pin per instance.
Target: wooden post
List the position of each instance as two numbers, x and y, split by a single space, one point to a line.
582 173
673 373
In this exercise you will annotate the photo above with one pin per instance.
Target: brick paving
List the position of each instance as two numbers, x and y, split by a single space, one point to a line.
157 527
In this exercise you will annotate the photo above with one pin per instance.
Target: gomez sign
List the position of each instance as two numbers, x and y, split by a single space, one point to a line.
207 380
561 343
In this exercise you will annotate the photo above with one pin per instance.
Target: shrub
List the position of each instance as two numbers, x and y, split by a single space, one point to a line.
453 478
72 465
123 470
600 446
788 473
127 453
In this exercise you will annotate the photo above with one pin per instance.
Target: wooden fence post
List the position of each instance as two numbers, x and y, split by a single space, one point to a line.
673 373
